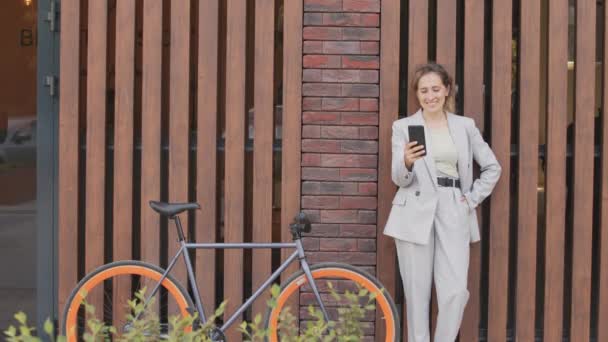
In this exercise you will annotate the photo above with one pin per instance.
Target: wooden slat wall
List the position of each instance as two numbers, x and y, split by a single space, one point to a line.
206 159
389 107
555 184
263 147
446 34
583 170
473 106
68 150
234 180
167 101
96 139
123 145
529 109
417 44
602 334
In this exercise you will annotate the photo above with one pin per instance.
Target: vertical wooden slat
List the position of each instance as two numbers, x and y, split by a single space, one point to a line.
389 103
417 45
583 170
501 138
206 188
68 150
446 34
555 190
150 130
602 333
528 168
234 180
179 129
262 146
473 106
123 146
292 124
96 140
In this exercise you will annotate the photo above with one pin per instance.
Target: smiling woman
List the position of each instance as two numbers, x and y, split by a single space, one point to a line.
17 160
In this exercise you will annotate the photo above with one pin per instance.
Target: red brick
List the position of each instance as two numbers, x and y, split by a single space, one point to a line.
311 103
324 118
311 75
321 61
325 230
338 188
311 188
322 5
361 6
370 105
365 133
342 48
357 230
360 90
366 245
321 89
341 75
359 118
360 62
338 245
321 146
313 46
320 202
359 146
323 33
366 216
348 160
358 202
368 188
311 19
310 243
339 216
369 76
320 173
352 258
339 132
311 131
360 33
370 48
311 159
359 174
346 104
369 19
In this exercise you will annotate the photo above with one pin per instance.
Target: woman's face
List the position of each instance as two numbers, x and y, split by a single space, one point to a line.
431 93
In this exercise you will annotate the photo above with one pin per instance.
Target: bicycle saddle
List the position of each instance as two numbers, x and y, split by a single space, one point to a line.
172 209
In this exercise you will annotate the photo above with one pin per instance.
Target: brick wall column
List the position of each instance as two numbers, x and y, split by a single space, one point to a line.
340 129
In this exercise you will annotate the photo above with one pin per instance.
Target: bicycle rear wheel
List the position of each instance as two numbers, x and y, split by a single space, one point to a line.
342 278
130 276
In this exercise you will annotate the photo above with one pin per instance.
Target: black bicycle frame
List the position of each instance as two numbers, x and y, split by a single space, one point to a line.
186 246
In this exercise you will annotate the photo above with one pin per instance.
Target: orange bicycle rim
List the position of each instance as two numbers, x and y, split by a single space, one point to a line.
109 273
331 272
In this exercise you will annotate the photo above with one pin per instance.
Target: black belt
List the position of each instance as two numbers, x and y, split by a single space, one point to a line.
444 181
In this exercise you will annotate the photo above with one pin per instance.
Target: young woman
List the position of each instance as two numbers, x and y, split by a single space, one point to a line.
433 217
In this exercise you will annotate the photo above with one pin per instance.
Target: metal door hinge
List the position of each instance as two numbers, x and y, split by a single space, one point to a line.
50 81
51 16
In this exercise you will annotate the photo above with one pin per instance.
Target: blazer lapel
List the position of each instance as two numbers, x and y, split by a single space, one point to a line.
460 140
429 162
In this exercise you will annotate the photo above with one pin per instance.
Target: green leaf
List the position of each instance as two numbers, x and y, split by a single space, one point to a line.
48 327
21 317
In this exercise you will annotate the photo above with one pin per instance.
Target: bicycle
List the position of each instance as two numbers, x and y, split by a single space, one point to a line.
174 295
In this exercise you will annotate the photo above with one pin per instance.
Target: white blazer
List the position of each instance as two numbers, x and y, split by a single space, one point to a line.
413 211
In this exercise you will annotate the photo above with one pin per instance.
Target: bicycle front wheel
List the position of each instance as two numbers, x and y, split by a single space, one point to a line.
333 281
113 285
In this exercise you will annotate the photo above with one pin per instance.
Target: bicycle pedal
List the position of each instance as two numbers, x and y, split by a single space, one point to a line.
216 335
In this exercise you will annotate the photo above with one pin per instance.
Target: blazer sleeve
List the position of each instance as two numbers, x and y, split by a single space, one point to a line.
399 173
489 167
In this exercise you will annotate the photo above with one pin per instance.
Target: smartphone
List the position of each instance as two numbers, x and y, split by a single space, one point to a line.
416 133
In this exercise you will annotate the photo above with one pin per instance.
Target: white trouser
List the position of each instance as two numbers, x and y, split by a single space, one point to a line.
446 258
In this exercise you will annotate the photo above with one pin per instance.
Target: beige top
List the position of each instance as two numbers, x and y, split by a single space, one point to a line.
444 152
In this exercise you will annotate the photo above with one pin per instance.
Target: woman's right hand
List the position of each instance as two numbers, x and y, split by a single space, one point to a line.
413 152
